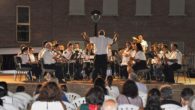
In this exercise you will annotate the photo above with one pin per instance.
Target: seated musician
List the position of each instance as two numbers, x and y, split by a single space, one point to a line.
42 51
78 64
50 62
174 62
140 58
87 60
125 59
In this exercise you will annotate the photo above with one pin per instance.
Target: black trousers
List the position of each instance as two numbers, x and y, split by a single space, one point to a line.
35 68
139 65
123 72
100 66
169 72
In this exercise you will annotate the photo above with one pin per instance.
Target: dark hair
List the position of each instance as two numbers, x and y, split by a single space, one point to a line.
50 92
175 45
153 100
20 89
69 44
165 46
101 83
95 96
37 90
44 42
130 89
101 32
166 92
64 88
24 49
109 80
139 47
187 93
2 92
1 102
4 85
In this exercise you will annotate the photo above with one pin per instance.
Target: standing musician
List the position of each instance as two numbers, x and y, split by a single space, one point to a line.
49 57
101 42
174 62
143 43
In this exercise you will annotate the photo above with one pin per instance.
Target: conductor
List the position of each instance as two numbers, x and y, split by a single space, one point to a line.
101 44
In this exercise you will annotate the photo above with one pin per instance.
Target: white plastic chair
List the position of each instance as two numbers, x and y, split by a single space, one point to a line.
170 107
143 97
107 97
10 107
79 101
128 107
72 96
69 106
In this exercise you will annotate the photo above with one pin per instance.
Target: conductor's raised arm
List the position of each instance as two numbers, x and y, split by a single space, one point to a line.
85 36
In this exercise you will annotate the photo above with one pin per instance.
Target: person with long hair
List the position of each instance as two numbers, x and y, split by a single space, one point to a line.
94 99
50 98
153 100
130 95
101 83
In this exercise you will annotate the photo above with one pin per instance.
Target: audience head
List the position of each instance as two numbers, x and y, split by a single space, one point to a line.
166 92
109 80
130 89
186 94
191 104
139 47
153 100
101 83
64 88
20 89
2 92
133 77
95 96
3 85
50 92
109 104
37 90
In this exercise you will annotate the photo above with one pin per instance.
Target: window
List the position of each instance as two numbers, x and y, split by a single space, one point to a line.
23 23
177 7
110 7
76 7
143 8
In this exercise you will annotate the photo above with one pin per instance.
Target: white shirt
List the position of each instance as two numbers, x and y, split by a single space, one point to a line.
113 91
183 108
32 57
1 108
25 58
101 43
125 59
15 101
48 57
175 55
144 44
140 56
40 105
41 53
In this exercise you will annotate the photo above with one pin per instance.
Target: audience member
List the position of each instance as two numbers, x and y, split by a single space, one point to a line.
50 98
153 100
191 104
94 99
130 94
112 90
109 105
186 94
4 85
141 87
101 83
20 90
166 95
64 88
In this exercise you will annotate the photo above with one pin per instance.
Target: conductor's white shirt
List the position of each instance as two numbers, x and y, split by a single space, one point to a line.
101 43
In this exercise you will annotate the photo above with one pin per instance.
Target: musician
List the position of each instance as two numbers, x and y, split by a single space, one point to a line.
125 59
140 58
101 42
42 51
50 62
87 53
143 43
78 64
174 62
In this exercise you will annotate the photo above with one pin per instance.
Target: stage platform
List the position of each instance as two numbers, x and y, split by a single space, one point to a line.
82 86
